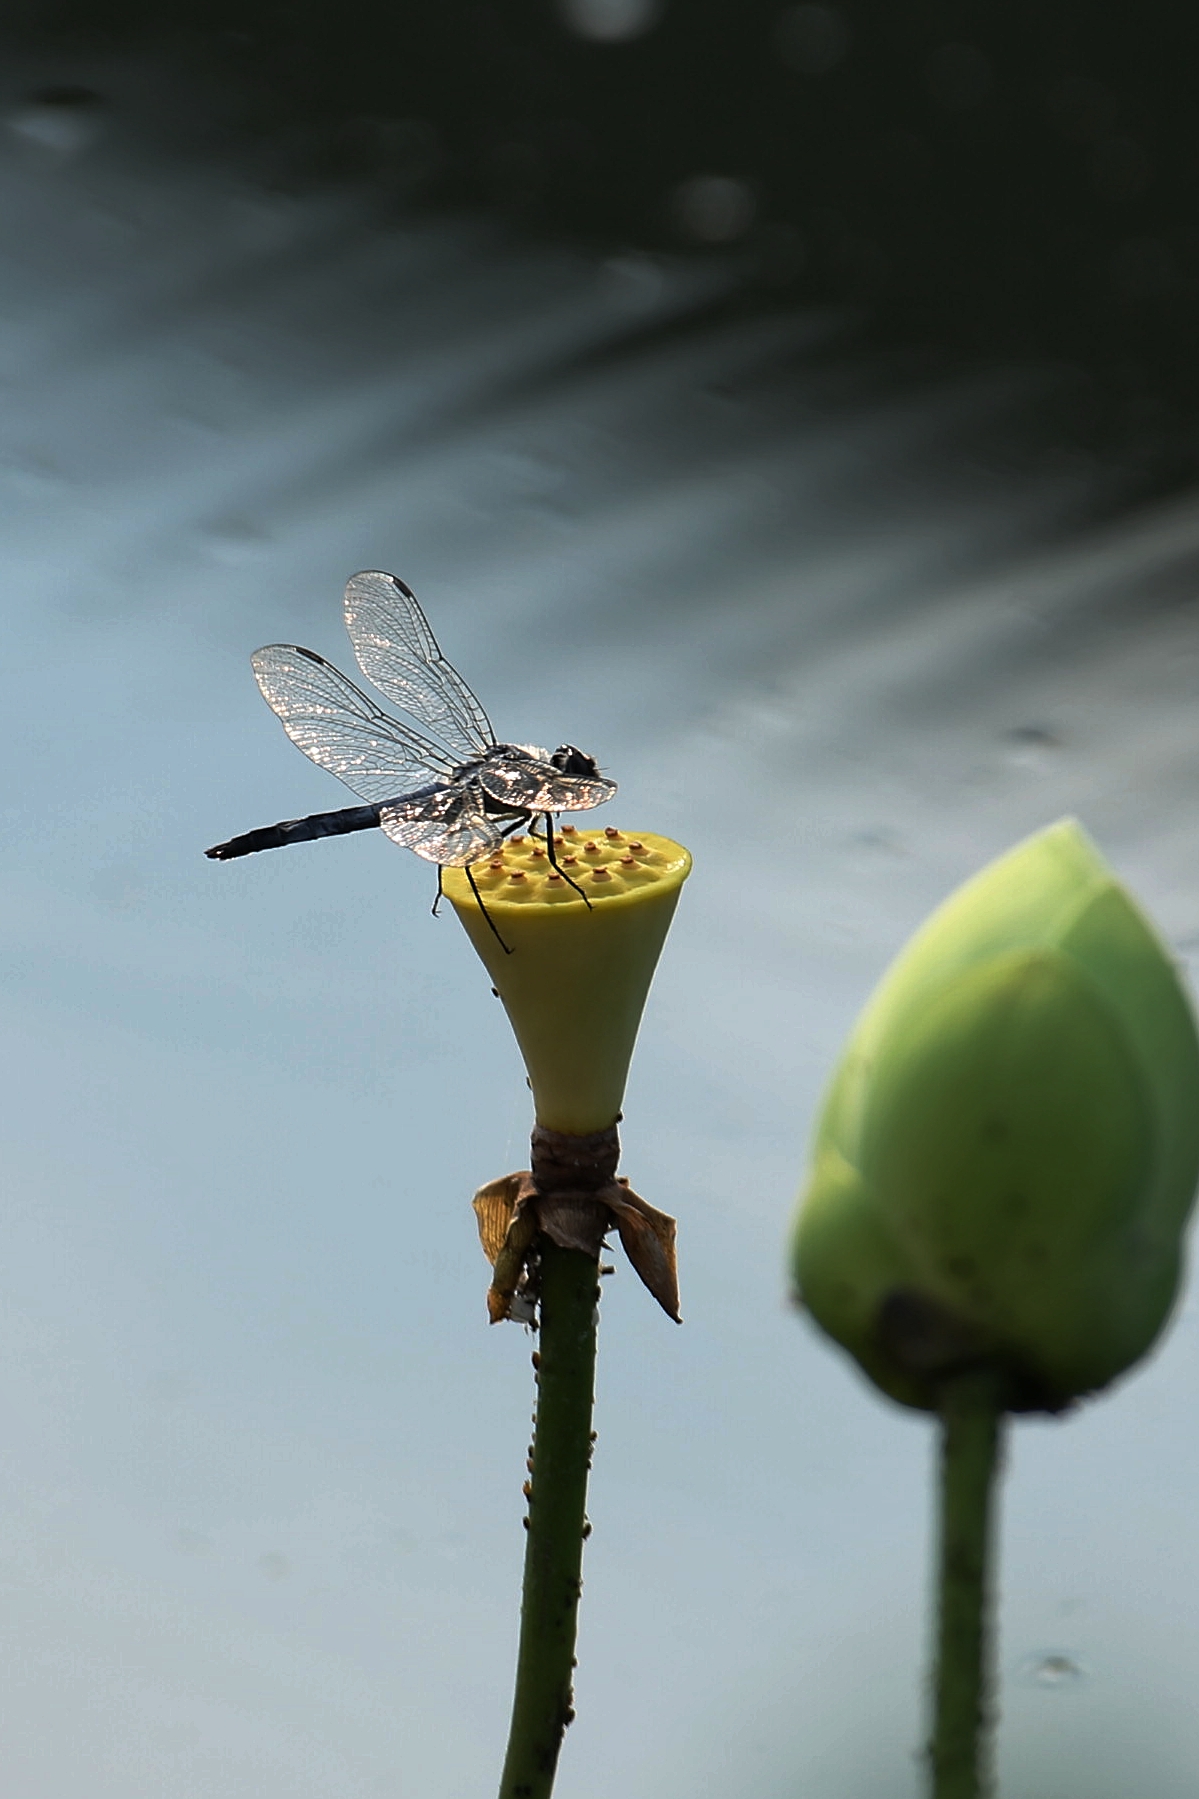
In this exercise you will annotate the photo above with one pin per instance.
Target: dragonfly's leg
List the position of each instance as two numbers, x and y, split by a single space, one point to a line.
440 891
483 909
549 850
522 818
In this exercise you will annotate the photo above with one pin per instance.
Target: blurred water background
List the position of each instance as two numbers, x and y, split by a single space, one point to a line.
822 457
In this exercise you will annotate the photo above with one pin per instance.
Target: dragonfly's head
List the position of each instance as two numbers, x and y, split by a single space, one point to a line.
570 761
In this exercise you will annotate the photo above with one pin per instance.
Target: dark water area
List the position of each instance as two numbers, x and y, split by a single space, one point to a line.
994 181
793 406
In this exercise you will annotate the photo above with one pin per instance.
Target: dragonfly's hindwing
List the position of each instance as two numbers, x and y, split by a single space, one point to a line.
447 825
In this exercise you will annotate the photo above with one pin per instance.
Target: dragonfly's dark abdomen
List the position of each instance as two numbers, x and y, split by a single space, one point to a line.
298 830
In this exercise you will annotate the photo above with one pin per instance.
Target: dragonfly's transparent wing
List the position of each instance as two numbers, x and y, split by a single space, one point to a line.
340 728
448 825
527 782
398 652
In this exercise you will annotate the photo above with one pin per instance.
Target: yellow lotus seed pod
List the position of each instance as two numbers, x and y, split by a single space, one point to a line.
1008 1152
575 981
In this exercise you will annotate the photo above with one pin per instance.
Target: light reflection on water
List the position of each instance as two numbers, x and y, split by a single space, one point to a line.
842 628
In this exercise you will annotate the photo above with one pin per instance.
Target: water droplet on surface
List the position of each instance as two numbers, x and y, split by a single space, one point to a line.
273 1566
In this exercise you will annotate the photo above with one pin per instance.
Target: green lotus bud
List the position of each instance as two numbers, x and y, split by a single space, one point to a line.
1008 1152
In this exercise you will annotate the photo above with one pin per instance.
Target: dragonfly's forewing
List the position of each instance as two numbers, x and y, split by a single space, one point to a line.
398 654
341 728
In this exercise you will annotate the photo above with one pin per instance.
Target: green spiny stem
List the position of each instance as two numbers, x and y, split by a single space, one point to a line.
971 1410
542 1706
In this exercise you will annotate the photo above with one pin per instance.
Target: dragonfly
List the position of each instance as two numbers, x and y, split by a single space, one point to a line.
443 786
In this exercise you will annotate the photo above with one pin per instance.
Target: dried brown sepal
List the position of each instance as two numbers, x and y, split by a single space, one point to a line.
494 1205
648 1239
509 1275
507 1223
574 1199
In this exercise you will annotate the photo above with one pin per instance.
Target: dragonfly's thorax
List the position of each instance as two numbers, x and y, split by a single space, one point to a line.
498 755
491 774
